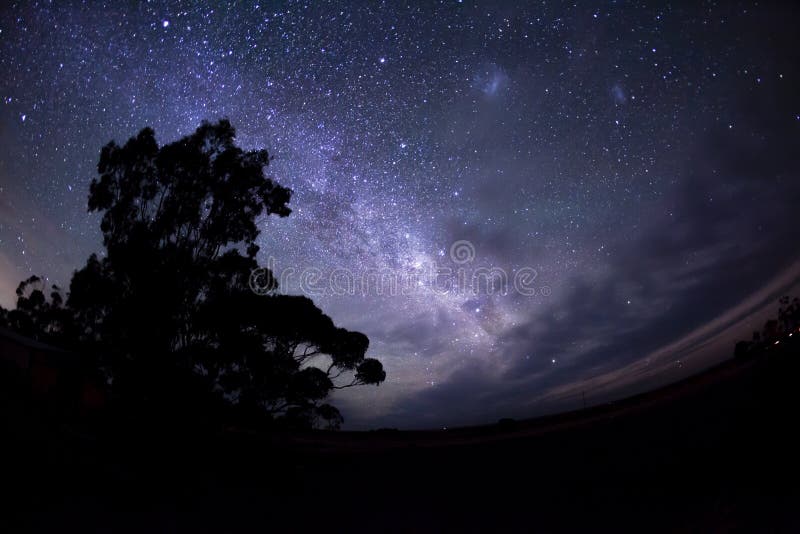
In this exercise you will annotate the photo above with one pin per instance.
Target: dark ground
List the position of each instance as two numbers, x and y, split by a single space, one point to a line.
718 452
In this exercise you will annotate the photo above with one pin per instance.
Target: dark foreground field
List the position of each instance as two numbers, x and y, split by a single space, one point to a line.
718 452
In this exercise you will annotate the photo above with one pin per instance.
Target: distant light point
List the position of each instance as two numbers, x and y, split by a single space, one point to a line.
165 23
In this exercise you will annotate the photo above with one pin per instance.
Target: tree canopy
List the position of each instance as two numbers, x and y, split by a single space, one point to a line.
167 313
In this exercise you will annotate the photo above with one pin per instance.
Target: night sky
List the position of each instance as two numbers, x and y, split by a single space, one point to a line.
641 161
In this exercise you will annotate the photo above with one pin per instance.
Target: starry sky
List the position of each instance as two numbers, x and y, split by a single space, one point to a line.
639 163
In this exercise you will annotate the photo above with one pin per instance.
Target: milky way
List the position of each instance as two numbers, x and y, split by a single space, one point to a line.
640 162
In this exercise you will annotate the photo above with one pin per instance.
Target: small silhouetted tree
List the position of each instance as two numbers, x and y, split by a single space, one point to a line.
328 417
168 313
39 316
774 330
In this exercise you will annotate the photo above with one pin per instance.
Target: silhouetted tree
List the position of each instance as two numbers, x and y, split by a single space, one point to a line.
167 312
329 417
41 317
775 330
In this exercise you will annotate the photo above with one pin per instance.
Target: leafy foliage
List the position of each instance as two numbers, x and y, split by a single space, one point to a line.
167 312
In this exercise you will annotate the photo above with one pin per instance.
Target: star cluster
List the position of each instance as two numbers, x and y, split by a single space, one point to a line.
641 161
